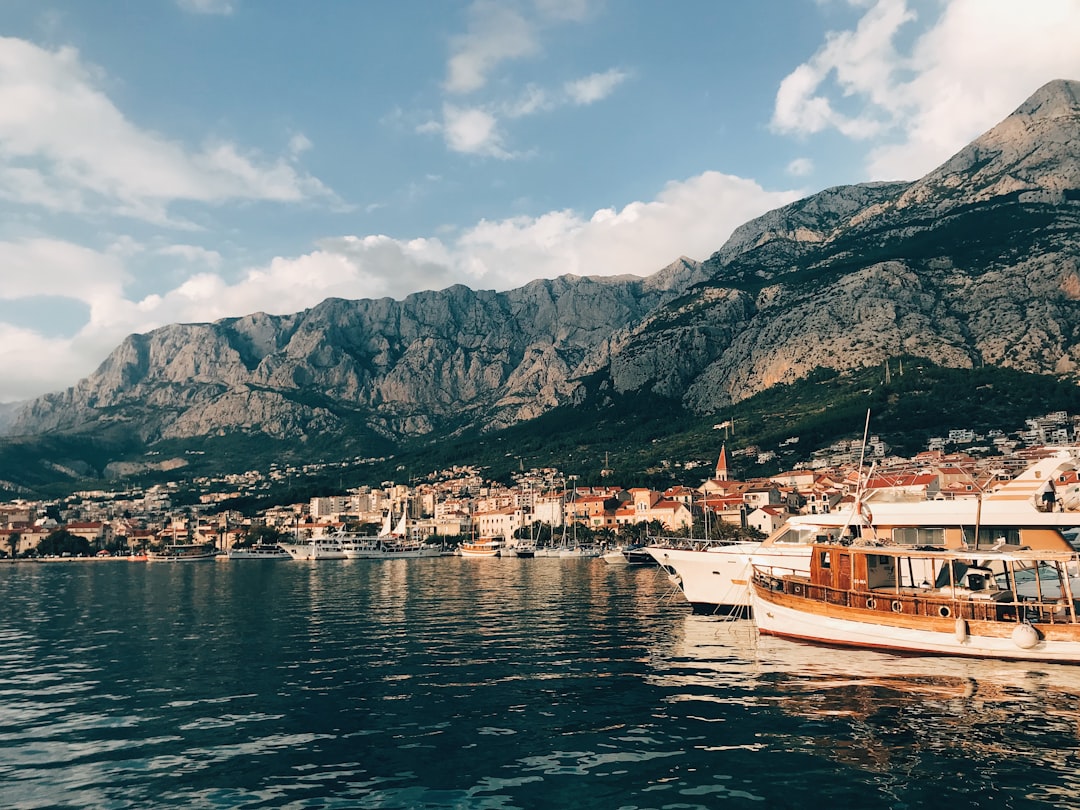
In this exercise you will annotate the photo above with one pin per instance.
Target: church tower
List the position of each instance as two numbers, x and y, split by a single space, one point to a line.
721 465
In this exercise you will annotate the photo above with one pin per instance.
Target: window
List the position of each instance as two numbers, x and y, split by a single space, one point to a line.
918 536
993 535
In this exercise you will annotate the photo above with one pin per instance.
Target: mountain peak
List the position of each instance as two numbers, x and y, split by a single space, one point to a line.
1033 154
1053 100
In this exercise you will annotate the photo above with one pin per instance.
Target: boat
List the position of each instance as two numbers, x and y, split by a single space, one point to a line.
182 552
1017 603
482 547
628 555
580 551
520 547
259 551
387 545
317 548
715 577
407 549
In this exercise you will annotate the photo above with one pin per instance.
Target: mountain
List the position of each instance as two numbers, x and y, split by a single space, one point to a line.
974 264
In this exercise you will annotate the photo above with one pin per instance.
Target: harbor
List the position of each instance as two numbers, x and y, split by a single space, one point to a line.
480 683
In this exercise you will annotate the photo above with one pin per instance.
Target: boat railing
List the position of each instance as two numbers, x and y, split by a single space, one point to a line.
688 543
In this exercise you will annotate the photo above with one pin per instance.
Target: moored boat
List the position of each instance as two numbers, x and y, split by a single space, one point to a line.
715 577
259 551
182 552
1016 603
481 547
317 548
628 555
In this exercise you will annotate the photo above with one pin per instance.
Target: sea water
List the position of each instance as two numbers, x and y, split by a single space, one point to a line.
485 683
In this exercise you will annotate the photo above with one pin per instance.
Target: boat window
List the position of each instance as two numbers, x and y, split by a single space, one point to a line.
918 536
825 560
797 535
995 536
958 569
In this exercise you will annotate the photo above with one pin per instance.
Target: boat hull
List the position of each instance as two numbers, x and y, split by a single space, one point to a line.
713 580
314 551
926 636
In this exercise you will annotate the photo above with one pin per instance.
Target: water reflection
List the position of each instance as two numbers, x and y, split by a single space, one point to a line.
1001 729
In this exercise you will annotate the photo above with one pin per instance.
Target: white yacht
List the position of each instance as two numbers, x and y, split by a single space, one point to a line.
259 551
317 548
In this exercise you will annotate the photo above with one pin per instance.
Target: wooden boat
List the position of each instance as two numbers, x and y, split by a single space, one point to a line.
482 547
714 577
1016 603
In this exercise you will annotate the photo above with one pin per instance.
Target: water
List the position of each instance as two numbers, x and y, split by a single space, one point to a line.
471 683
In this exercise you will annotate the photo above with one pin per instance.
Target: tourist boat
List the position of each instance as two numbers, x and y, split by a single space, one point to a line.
182 552
317 548
482 547
715 577
259 551
991 603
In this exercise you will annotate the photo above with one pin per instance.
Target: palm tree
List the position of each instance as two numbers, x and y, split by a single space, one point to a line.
13 543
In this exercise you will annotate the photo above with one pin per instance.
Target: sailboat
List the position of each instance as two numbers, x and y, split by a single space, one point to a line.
392 542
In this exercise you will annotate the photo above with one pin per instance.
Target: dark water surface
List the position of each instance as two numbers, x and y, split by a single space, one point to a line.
471 683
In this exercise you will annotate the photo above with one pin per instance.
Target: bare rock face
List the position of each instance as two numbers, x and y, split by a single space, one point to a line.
976 263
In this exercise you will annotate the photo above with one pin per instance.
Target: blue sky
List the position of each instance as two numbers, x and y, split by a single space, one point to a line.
169 161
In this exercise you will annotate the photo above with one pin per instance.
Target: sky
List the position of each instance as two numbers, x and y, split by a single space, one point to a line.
178 161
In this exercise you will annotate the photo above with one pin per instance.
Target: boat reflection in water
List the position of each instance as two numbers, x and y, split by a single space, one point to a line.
895 714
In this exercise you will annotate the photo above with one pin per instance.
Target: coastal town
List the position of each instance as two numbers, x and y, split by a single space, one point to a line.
452 505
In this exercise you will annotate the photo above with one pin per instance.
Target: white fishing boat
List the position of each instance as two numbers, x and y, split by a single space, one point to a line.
1001 603
259 551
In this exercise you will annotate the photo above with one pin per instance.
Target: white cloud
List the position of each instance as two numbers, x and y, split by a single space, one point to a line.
473 131
497 33
800 167
690 218
192 254
49 267
593 88
979 62
862 62
222 7
66 147
34 364
964 68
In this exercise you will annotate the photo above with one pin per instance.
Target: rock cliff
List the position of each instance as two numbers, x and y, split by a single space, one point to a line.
976 263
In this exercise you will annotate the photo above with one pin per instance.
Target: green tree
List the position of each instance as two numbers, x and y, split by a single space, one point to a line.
259 535
13 543
62 542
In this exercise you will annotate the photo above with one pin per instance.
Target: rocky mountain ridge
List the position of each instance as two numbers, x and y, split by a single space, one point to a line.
975 263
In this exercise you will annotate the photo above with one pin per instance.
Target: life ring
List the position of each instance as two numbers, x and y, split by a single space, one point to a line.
897 606
871 603
797 590
866 514
944 611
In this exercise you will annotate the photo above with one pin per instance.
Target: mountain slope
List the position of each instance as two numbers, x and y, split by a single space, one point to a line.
977 263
